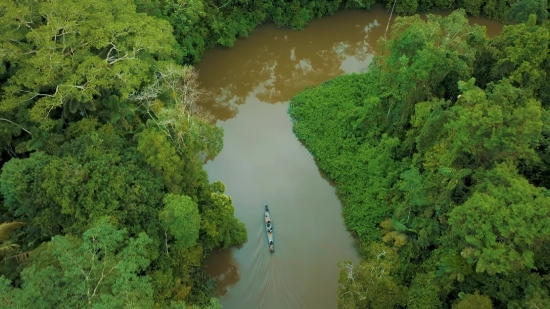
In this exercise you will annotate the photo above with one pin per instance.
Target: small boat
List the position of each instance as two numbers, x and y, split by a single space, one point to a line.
269 228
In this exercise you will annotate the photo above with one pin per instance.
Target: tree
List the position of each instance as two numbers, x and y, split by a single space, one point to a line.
501 222
369 284
68 52
425 60
473 301
7 247
180 216
20 183
395 231
487 127
219 225
521 10
162 156
99 270
93 175
520 54
172 103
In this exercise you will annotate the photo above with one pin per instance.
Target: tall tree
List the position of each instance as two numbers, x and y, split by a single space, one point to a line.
67 53
180 216
99 270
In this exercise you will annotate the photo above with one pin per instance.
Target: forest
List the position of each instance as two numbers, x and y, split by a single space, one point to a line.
440 153
104 202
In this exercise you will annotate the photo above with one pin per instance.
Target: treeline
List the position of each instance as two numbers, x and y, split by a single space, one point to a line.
102 192
441 154
199 25
104 199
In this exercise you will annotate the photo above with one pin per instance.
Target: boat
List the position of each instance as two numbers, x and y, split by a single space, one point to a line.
269 228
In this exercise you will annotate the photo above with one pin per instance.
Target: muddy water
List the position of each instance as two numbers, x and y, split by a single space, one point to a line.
263 162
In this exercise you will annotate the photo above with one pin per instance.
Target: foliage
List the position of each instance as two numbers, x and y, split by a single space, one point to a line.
473 301
219 226
369 284
6 247
100 119
65 59
98 271
445 169
180 216
520 11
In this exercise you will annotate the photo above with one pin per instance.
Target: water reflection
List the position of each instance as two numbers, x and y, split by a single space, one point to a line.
222 266
323 175
262 160
275 64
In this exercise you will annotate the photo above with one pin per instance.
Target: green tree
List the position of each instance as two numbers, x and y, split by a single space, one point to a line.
162 156
369 284
68 52
180 216
20 183
425 60
99 270
521 10
473 301
219 225
99 174
501 222
6 246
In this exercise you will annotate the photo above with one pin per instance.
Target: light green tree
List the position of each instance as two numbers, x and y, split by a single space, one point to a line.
69 52
502 221
100 270
369 283
180 216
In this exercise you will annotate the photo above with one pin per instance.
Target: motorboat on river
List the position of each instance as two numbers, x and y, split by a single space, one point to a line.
269 228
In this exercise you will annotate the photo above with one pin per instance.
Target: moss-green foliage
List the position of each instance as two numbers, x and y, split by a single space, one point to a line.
199 24
446 170
329 120
105 136
99 129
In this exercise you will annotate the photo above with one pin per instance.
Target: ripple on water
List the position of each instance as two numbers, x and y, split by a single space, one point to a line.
262 160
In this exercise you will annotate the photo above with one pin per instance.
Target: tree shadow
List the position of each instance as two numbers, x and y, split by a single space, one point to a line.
275 64
222 266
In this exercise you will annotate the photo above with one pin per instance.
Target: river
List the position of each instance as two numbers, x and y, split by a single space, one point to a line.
262 161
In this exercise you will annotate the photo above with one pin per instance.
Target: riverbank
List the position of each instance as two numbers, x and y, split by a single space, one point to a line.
412 145
251 85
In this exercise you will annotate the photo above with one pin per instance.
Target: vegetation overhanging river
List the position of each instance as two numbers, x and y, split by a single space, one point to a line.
262 160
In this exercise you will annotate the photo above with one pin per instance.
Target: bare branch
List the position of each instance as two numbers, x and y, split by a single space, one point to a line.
22 128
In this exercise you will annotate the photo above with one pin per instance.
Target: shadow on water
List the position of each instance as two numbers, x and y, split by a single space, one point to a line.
277 63
324 175
281 62
263 160
222 266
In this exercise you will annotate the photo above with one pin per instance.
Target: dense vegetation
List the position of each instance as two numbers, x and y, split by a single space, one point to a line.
103 196
441 157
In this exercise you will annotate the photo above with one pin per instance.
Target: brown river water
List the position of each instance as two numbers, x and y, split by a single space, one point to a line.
262 161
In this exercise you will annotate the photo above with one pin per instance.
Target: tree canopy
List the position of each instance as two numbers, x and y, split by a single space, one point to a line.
102 139
439 155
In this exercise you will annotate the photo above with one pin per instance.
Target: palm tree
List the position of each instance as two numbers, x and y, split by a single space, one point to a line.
395 231
7 247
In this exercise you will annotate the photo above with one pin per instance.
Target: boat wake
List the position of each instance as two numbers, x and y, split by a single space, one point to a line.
271 281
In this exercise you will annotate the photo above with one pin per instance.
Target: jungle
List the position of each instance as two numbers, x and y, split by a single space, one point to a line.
440 154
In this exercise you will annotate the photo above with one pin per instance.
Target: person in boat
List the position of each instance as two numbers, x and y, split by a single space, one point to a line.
271 242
